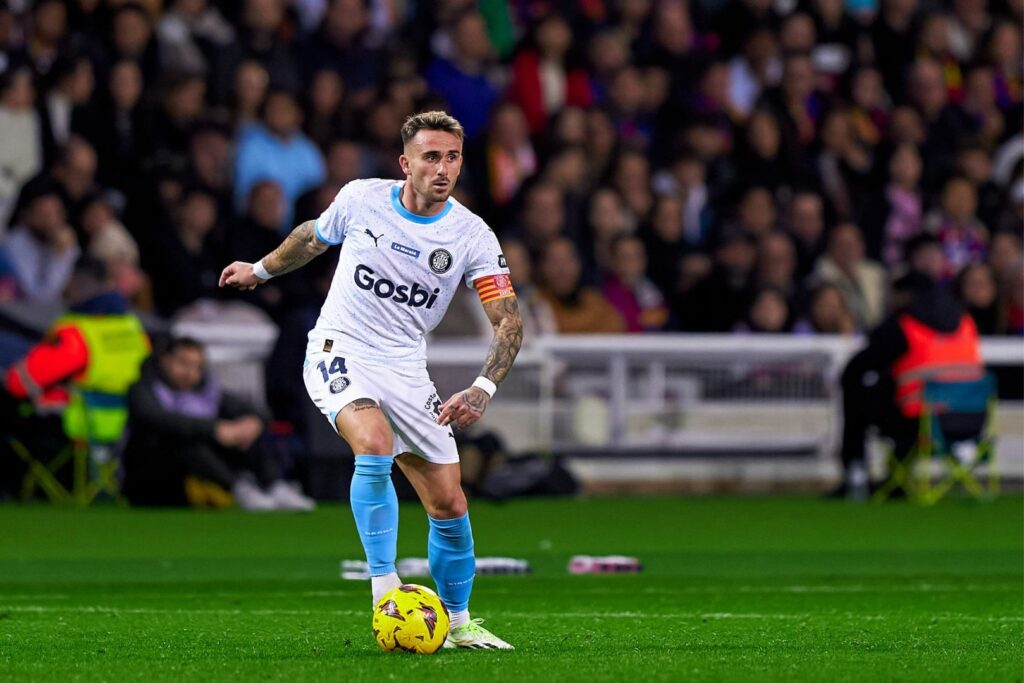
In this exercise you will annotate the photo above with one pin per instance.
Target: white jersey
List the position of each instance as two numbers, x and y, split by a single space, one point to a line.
397 272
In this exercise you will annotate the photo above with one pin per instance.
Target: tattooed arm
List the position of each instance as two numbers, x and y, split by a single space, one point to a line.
299 248
466 407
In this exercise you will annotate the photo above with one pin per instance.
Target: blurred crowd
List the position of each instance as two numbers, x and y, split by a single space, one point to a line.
710 165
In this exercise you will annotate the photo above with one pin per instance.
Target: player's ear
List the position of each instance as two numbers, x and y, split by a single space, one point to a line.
403 161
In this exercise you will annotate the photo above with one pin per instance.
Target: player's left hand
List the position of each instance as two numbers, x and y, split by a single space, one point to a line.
464 408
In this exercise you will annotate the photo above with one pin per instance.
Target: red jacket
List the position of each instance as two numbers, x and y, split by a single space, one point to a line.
40 374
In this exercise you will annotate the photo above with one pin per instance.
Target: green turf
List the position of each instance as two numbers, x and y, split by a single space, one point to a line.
733 589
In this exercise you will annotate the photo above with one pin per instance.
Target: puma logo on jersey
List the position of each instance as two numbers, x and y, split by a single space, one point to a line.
383 288
375 237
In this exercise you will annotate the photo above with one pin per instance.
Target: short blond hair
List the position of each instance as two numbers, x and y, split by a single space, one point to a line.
431 120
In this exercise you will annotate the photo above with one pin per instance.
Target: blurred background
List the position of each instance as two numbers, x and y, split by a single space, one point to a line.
703 204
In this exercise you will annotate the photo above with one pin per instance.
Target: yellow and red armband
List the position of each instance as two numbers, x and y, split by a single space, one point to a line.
493 287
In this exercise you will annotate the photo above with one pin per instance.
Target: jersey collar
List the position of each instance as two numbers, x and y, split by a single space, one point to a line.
396 201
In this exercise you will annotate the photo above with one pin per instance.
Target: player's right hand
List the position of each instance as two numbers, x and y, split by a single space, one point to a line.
240 276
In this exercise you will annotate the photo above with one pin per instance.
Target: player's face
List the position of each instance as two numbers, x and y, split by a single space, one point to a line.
432 163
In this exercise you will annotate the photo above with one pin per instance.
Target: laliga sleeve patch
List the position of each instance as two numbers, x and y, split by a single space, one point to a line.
491 287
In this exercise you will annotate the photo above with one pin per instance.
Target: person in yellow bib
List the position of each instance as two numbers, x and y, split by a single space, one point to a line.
82 368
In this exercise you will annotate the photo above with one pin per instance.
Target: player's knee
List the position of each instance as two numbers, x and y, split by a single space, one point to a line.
373 442
449 506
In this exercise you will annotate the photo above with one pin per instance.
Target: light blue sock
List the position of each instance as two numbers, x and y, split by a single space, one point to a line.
375 508
451 559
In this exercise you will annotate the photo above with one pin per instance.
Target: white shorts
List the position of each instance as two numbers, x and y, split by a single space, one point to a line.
408 399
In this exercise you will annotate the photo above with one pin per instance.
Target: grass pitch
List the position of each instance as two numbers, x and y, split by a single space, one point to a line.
733 589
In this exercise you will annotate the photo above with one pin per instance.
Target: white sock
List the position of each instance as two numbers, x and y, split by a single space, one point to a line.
459 618
382 584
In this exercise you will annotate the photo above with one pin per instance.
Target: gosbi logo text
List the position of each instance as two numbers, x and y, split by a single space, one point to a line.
383 288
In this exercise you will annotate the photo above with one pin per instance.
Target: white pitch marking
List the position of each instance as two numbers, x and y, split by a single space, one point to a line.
95 609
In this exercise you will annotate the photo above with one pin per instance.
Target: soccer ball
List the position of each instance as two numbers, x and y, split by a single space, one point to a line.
410 618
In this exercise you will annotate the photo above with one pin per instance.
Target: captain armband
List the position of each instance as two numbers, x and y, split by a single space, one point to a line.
493 287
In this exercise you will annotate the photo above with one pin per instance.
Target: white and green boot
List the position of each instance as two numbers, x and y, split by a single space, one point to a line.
474 636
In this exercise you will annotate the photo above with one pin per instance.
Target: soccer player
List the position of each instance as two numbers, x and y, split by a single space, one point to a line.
407 245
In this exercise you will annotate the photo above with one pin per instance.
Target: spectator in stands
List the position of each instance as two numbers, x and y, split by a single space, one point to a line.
544 75
73 83
768 313
577 308
131 38
964 238
776 265
628 289
722 297
42 246
905 212
975 163
843 166
929 336
116 123
508 157
1005 254
753 70
923 254
805 221
263 37
975 288
542 218
185 255
344 45
279 151
21 155
755 214
249 87
180 108
258 234
210 163
325 119
538 318
109 242
607 218
462 78
47 35
188 32
861 281
827 313
345 161
186 432
796 104
869 113
665 243
945 124
762 157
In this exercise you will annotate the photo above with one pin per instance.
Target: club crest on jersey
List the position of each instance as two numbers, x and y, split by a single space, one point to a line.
408 251
340 384
440 261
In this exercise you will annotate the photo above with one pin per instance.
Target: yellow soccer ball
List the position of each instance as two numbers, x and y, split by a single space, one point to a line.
410 618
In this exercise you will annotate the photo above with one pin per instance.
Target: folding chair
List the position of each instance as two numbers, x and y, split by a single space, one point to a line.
92 451
956 430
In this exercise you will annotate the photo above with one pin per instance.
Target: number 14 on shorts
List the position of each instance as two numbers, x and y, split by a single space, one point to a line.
337 367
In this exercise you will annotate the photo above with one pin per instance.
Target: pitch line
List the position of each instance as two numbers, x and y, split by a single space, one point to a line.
704 616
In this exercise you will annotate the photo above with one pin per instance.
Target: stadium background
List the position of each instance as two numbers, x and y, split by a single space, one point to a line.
774 167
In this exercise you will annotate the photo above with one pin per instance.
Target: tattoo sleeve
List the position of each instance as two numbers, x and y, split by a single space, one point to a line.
299 248
508 337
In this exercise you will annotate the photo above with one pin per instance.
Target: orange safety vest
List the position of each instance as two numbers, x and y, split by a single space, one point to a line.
934 355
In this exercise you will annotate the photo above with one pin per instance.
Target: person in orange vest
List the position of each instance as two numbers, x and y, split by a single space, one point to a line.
929 335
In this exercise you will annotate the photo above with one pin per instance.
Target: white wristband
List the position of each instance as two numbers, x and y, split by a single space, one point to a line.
485 384
259 271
